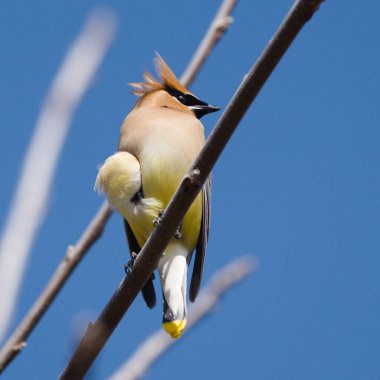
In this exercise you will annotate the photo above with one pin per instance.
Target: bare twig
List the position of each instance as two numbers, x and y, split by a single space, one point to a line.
217 28
29 204
158 343
148 258
17 341
73 256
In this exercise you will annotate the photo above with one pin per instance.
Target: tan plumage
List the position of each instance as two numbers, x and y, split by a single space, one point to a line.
151 84
159 140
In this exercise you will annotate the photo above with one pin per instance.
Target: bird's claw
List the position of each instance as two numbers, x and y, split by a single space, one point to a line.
157 221
177 234
128 267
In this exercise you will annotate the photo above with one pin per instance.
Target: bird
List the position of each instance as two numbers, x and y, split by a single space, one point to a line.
159 140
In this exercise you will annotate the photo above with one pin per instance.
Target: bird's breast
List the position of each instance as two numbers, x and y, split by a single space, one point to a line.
166 144
164 161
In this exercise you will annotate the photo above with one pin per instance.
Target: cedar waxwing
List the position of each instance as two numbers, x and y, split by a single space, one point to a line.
159 140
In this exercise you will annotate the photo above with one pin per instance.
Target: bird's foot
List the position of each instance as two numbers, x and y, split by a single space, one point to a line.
177 233
128 267
157 221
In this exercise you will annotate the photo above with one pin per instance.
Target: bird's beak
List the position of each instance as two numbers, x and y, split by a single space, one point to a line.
202 109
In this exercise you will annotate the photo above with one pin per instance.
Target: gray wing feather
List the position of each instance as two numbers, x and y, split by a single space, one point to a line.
147 291
200 251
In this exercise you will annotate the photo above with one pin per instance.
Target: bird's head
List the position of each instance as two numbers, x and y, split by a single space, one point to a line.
169 92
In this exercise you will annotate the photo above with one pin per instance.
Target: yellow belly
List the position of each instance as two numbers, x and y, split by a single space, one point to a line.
160 180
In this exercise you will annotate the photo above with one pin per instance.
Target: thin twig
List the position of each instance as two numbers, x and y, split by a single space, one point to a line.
17 341
216 30
73 256
158 343
148 258
28 207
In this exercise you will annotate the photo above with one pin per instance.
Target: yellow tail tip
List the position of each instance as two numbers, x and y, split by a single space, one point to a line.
174 328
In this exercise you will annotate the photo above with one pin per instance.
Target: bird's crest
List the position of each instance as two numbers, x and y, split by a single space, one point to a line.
152 84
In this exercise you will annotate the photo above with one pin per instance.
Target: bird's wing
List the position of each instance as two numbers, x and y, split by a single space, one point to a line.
147 291
200 251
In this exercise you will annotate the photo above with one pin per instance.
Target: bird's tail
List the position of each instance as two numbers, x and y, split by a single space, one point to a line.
173 275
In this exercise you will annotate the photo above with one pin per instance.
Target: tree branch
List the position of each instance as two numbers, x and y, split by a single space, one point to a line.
148 258
73 256
216 30
75 253
158 343
28 207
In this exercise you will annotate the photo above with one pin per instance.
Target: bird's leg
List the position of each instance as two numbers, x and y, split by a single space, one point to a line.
128 267
157 221
177 233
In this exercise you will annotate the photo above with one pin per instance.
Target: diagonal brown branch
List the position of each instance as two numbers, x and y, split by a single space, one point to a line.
158 343
75 253
147 260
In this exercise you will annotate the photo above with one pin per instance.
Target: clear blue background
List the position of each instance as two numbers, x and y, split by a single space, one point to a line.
297 187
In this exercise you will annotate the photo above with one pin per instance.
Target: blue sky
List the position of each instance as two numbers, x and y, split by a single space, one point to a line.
297 187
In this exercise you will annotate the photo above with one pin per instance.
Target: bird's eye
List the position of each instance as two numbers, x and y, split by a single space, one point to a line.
185 99
188 100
